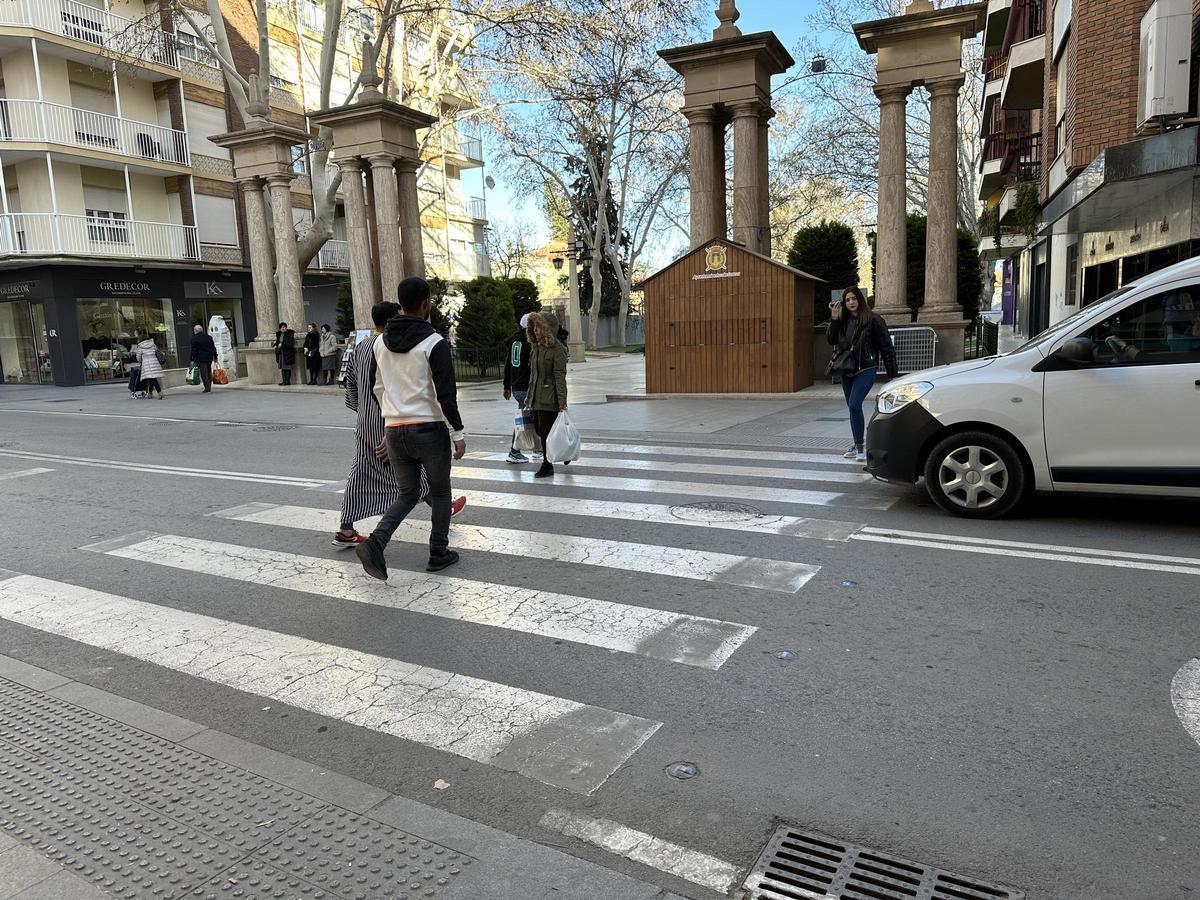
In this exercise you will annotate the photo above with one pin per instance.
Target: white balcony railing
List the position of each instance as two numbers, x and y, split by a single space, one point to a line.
48 234
135 39
334 255
53 123
477 207
470 145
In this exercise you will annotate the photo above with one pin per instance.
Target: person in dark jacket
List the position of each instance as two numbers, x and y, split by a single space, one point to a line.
860 342
516 379
285 351
414 382
547 380
312 352
204 352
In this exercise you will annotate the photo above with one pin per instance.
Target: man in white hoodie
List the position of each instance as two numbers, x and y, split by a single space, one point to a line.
414 382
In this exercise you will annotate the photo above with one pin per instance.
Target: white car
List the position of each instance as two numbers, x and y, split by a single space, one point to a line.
1105 401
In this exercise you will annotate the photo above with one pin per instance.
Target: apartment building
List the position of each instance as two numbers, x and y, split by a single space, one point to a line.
118 215
1090 160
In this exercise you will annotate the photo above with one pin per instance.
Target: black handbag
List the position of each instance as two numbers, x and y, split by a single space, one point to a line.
841 363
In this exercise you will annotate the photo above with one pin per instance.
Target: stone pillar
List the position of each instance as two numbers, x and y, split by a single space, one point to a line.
412 241
702 175
941 310
387 223
260 356
575 344
720 191
288 286
764 178
747 229
892 241
362 283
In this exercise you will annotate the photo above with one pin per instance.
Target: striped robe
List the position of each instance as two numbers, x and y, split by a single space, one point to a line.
371 486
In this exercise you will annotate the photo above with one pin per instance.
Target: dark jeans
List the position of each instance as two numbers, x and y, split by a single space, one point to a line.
543 421
856 388
152 385
519 396
205 374
409 448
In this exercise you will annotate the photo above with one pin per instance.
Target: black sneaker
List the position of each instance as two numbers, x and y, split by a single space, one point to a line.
370 554
442 561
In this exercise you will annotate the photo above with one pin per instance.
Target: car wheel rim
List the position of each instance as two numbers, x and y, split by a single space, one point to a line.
973 477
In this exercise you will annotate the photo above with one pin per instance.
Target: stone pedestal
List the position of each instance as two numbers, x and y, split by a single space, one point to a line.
260 363
951 331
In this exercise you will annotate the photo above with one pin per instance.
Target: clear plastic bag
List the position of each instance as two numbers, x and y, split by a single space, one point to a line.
562 444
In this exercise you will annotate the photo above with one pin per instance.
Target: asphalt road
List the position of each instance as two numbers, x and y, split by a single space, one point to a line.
1000 715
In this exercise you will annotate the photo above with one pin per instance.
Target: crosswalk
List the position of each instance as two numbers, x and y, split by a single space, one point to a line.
647 521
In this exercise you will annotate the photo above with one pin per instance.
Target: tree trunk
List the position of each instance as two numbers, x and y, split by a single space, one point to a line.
594 312
622 315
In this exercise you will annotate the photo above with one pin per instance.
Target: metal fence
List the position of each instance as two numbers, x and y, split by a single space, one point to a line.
478 363
982 339
915 348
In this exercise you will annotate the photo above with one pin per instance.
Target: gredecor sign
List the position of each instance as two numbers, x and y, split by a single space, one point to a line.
716 264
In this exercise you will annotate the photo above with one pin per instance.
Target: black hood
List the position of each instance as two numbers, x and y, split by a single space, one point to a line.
402 333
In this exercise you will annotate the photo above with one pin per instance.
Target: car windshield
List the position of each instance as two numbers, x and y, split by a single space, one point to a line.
1066 324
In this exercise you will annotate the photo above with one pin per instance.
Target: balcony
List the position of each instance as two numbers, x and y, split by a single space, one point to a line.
996 23
39 122
477 207
334 255
46 234
127 38
1025 40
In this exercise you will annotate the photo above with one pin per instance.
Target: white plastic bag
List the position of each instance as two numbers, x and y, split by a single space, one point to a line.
562 444
524 435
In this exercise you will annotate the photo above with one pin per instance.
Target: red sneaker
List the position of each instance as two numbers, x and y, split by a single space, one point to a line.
341 541
457 506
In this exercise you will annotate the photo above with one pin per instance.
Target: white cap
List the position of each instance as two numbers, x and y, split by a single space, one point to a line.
525 320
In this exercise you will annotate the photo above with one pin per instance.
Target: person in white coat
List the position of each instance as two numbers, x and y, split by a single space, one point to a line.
152 369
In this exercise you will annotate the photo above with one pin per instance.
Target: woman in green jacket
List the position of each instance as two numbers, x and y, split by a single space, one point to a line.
547 380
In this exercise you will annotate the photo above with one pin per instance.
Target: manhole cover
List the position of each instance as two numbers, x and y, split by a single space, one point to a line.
716 511
806 865
276 427
682 770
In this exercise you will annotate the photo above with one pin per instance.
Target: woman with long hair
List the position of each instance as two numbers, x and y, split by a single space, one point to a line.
860 342
547 380
312 352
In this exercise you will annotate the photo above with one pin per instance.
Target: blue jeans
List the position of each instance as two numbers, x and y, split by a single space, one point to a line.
856 388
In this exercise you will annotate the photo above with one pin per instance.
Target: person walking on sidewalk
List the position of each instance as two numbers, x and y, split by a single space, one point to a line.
312 352
414 383
329 354
547 395
861 342
147 353
371 487
516 379
285 351
204 352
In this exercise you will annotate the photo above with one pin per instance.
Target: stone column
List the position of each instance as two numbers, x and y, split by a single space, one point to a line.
412 241
266 311
720 195
287 265
362 283
575 345
941 247
764 179
702 175
891 243
387 223
747 229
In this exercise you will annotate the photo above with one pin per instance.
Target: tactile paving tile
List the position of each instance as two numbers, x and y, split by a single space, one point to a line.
142 817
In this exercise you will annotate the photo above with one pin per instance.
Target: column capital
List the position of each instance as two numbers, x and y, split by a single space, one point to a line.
406 164
746 108
348 164
700 115
249 182
381 160
283 179
946 86
892 93
765 114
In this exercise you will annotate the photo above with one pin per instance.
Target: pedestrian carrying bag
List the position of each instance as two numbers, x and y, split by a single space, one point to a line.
193 374
219 376
562 444
524 435
161 357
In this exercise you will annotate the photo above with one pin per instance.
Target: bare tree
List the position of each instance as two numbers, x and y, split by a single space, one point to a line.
510 245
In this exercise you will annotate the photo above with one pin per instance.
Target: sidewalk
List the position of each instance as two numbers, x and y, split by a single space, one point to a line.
103 796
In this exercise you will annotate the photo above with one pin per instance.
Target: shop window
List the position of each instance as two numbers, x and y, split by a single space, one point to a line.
1072 294
108 331
1160 330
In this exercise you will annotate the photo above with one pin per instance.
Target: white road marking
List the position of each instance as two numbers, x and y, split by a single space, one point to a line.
677 637
22 473
654 559
556 741
699 468
1185 697
749 454
150 469
1089 556
563 477
692 865
87 415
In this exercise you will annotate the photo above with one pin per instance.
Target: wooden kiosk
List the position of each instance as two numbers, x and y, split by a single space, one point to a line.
722 319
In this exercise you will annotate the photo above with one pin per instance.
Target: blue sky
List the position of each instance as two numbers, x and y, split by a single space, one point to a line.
787 18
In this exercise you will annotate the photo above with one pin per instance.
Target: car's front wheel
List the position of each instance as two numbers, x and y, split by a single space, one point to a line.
976 475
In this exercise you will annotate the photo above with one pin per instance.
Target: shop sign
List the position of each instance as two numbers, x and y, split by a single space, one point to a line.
133 287
716 264
31 289
212 290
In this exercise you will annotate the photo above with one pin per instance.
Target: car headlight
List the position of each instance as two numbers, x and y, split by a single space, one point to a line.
896 398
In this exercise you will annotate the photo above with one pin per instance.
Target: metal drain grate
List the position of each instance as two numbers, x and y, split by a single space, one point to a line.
276 427
806 865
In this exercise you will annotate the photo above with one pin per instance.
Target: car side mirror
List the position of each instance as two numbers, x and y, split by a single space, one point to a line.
1077 353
